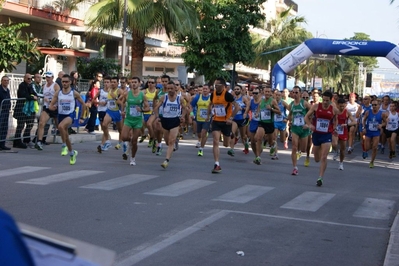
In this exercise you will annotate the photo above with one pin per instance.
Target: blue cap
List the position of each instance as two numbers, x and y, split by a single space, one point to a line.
159 86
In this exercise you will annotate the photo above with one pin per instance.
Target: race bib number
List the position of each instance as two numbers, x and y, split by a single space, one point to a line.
299 120
111 104
220 110
265 115
392 125
373 126
66 107
340 130
133 111
322 125
278 118
151 103
203 113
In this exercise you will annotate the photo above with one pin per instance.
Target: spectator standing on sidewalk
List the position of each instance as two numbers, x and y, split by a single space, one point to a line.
92 104
24 120
5 106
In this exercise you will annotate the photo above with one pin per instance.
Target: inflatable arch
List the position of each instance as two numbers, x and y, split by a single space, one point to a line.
332 47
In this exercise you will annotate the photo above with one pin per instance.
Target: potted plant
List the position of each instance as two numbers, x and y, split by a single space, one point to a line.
66 6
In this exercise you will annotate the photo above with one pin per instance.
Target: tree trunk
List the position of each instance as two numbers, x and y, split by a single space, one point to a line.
138 49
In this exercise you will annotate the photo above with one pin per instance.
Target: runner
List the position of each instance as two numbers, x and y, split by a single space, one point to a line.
391 123
151 94
345 121
136 103
372 127
280 120
173 114
365 107
254 122
355 109
102 108
240 120
323 125
222 103
65 102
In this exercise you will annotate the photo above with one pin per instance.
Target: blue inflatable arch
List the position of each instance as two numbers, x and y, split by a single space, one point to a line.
331 47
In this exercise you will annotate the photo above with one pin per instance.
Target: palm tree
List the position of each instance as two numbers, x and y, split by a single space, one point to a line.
143 17
285 31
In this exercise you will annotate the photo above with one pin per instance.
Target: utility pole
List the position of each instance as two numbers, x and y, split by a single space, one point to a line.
124 29
360 78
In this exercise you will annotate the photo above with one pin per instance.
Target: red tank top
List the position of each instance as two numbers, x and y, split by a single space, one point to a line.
323 121
342 119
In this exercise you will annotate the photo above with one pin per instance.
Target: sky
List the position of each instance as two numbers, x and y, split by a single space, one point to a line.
340 19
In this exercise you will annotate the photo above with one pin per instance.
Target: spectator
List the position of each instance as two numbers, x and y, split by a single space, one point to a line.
74 83
5 105
58 80
92 103
25 119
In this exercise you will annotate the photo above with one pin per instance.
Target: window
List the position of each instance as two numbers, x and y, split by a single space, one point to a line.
169 70
149 68
160 69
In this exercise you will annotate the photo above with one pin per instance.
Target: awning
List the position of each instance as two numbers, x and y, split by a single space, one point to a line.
65 52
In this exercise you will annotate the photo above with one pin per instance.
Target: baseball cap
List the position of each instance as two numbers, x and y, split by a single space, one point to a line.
49 74
159 86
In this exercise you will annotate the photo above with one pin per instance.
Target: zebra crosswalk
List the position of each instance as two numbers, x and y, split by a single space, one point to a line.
307 201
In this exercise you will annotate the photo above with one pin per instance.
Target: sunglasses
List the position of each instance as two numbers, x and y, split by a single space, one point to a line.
374 104
255 93
305 97
151 82
29 79
65 81
296 92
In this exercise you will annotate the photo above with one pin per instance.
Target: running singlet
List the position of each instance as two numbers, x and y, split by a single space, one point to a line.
323 122
112 105
171 109
392 122
352 108
240 114
222 109
266 115
202 107
342 120
103 97
254 110
282 116
373 120
298 113
132 103
150 97
48 93
66 103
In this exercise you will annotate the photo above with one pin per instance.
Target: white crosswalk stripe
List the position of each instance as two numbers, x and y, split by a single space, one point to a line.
244 194
21 170
120 182
46 180
308 201
375 209
180 188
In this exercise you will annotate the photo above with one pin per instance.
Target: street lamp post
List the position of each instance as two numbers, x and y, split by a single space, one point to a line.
360 78
124 29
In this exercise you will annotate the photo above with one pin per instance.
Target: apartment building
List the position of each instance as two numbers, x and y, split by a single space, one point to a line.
48 21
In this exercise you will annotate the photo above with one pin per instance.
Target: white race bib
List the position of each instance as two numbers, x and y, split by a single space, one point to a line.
373 126
392 125
340 130
203 113
265 114
299 120
66 107
111 104
133 111
220 110
322 125
278 118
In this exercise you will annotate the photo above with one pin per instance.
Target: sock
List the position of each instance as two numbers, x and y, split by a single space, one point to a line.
63 145
71 153
201 149
167 160
217 163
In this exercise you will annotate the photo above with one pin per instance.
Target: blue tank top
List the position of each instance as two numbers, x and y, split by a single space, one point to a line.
373 120
254 108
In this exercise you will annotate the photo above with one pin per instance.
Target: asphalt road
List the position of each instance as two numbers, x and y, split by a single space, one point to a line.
185 215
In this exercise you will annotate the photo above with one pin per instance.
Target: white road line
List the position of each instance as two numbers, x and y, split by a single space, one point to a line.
180 188
120 182
311 221
172 239
60 177
244 194
308 201
375 209
21 170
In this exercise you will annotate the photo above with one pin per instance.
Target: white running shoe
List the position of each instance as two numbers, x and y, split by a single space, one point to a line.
341 166
132 161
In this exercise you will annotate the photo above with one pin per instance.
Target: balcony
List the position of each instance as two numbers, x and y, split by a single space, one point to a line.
282 5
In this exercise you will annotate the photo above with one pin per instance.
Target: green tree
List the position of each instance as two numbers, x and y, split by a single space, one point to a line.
285 32
143 17
224 36
16 46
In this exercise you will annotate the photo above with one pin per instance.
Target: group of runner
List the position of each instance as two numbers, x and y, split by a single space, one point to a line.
259 116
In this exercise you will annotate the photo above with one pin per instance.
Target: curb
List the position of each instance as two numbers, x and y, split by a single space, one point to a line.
392 255
79 137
